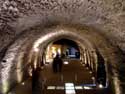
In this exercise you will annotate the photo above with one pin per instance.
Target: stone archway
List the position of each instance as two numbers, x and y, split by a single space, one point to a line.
23 46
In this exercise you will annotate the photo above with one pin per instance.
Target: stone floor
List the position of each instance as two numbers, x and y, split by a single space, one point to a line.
74 72
23 88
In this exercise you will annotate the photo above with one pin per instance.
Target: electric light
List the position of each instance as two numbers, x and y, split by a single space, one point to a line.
70 91
100 86
87 68
69 88
66 62
51 87
60 87
78 87
90 72
23 83
86 87
69 84
93 78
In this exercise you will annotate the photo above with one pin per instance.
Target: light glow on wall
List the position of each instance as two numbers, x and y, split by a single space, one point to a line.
9 70
19 68
5 87
36 49
48 36
44 38
35 62
54 52
117 85
5 72
30 71
59 50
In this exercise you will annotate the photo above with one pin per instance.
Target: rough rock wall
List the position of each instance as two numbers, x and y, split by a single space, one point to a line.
106 15
14 54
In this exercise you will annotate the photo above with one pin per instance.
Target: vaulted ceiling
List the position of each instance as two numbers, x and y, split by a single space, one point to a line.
18 16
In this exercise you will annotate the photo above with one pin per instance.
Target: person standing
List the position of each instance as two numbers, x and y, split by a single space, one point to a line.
57 64
36 85
60 63
54 65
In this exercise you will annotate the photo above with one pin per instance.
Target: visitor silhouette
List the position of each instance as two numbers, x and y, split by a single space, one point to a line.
57 64
36 85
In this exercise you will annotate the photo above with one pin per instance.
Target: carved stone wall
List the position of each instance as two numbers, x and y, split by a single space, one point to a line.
106 15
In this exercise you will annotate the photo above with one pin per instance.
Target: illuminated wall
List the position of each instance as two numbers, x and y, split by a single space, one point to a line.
51 52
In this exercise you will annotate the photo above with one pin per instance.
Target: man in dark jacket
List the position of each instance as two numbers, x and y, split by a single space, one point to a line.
36 85
57 64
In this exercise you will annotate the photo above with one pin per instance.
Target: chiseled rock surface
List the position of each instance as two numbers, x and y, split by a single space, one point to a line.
106 15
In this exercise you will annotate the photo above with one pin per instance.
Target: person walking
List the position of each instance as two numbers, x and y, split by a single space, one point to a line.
60 63
57 64
36 85
54 65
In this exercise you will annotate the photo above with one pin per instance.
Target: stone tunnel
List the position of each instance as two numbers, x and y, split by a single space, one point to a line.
27 27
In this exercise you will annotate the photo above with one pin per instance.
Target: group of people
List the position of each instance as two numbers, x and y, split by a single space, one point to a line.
57 64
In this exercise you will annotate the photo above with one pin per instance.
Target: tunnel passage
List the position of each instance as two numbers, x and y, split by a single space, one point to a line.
25 50
60 46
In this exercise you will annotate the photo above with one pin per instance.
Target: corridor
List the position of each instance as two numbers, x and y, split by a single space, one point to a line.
89 35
